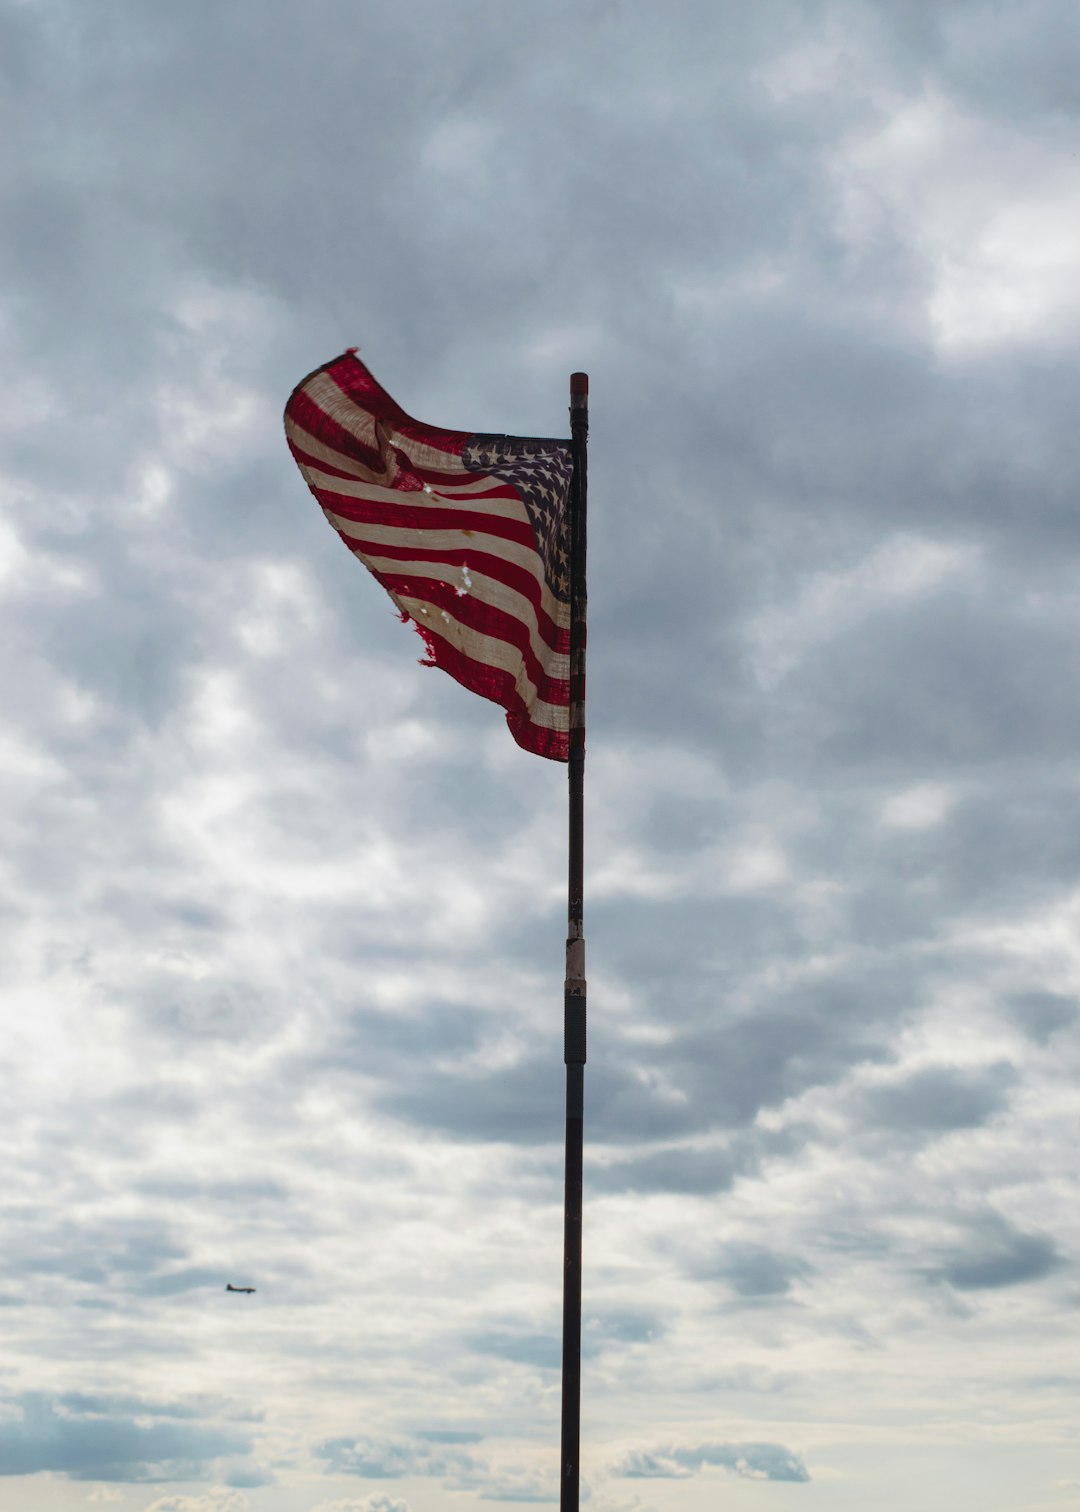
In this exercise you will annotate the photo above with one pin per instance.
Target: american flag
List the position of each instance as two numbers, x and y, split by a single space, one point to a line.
469 535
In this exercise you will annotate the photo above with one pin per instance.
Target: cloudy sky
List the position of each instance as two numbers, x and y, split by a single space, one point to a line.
284 913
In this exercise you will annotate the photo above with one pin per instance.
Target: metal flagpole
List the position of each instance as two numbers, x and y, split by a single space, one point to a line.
574 995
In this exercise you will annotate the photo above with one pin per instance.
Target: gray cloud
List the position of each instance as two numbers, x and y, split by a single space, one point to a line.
249 1477
999 1255
541 1351
695 1171
601 1331
71 1437
1044 1014
750 1461
755 1273
97 1253
938 1099
390 1459
718 1070
90 1404
459 1469
448 1436
169 1284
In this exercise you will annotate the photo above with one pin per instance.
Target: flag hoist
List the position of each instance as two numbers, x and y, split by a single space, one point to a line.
479 539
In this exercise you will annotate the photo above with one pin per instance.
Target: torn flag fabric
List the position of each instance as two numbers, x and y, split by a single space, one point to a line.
469 535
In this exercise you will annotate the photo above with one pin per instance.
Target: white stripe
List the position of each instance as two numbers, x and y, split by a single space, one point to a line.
475 484
379 493
430 458
432 542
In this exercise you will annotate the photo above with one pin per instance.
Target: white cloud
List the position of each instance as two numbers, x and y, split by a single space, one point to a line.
992 212
459 146
830 604
919 807
364 1504
207 1501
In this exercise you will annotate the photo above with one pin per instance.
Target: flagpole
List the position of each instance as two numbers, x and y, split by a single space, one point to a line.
574 994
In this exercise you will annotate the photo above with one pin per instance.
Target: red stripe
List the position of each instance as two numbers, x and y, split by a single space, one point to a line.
498 686
353 379
306 462
441 479
486 620
496 489
307 414
466 522
477 561
554 744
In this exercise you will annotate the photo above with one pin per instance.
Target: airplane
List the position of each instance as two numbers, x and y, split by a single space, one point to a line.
232 1288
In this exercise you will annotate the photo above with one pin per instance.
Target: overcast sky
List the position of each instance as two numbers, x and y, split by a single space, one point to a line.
284 912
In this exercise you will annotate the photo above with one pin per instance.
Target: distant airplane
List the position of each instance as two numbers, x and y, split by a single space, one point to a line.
247 1289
